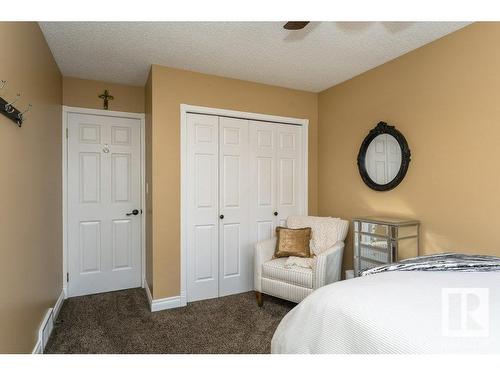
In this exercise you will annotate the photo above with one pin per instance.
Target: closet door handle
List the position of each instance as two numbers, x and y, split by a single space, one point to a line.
221 217
275 213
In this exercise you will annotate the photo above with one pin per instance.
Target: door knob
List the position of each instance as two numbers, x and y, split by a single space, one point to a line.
134 212
275 213
221 217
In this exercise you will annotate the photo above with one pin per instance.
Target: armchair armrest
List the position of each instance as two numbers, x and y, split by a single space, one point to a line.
328 266
264 252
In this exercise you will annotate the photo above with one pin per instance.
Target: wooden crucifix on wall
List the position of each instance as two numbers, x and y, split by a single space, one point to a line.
106 97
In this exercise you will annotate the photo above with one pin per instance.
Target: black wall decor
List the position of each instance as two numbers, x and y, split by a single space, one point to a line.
106 97
384 128
8 110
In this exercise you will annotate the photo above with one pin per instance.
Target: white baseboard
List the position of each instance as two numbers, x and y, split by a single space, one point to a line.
183 298
164 303
58 305
48 325
38 347
148 293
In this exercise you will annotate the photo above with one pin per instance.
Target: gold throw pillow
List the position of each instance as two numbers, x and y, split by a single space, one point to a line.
292 242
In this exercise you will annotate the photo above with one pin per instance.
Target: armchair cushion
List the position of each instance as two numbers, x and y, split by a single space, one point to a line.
300 262
275 269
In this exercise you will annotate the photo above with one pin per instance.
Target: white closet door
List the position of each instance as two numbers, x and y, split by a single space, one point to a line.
289 182
263 180
104 187
235 252
244 178
203 212
276 170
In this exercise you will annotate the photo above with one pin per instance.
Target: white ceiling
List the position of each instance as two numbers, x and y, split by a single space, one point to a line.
315 58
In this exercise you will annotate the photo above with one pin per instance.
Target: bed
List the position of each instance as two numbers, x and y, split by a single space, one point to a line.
397 312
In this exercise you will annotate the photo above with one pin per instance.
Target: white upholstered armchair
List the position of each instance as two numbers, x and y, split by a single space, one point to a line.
295 283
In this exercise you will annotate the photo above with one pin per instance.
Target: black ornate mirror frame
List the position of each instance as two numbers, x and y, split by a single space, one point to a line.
384 128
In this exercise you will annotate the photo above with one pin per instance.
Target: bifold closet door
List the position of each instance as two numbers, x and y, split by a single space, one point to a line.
235 250
263 177
220 255
243 179
276 170
203 207
290 179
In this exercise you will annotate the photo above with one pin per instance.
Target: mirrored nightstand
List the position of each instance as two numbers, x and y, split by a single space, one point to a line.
382 240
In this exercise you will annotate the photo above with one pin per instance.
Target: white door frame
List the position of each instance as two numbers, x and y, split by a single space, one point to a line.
100 112
187 108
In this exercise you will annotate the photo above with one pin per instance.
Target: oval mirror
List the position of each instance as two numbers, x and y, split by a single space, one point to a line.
383 158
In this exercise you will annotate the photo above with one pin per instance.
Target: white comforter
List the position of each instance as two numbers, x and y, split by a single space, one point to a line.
397 312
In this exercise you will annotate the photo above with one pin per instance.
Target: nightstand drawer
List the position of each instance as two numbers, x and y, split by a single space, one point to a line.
371 254
372 241
375 229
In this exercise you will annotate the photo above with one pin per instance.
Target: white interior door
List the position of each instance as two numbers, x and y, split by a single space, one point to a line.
276 169
235 250
383 158
376 155
263 179
244 177
203 207
393 157
290 182
104 185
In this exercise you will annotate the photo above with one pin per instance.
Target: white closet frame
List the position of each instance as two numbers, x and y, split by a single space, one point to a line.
184 110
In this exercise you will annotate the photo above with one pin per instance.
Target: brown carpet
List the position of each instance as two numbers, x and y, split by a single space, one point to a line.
120 322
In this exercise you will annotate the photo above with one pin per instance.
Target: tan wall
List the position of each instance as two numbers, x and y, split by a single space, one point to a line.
149 195
30 165
171 87
445 99
85 93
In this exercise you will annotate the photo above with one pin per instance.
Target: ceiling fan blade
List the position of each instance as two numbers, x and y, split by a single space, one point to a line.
295 25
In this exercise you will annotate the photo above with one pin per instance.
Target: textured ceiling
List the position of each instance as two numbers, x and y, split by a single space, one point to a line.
315 58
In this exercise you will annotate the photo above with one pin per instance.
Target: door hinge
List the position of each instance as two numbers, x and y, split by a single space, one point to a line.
67 277
66 132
